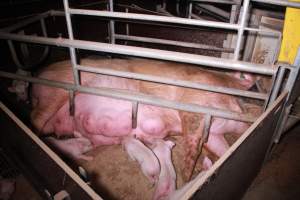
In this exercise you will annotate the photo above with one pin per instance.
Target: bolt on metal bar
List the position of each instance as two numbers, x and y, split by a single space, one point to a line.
241 30
180 83
172 42
136 97
111 23
280 3
220 63
154 18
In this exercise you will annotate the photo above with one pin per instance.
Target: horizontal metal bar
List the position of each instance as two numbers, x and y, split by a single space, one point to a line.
280 3
62 13
172 42
154 18
231 2
180 83
213 9
26 22
57 13
265 32
146 53
135 97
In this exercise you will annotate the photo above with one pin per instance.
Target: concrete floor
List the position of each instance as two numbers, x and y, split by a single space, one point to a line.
279 179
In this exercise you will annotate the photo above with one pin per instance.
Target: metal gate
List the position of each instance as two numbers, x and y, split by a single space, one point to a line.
274 103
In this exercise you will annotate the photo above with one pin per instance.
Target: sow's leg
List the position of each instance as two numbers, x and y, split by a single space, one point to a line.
192 129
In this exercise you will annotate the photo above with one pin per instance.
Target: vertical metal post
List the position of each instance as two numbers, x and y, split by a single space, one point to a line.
71 37
135 106
241 30
277 83
288 105
14 54
127 27
43 25
111 24
71 103
190 10
73 58
205 135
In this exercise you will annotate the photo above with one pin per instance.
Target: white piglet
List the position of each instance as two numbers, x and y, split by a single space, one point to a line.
144 156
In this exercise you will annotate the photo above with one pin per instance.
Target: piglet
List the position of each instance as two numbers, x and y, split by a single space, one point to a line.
74 148
167 178
20 87
144 156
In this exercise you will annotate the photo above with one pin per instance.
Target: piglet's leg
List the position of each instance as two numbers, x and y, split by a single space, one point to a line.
166 184
192 128
74 148
217 144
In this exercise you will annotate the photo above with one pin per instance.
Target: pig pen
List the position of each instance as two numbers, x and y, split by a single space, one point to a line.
228 176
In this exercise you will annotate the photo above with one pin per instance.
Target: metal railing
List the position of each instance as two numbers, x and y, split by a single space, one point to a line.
149 53
72 44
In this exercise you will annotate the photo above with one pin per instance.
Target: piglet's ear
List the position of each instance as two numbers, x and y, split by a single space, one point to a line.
170 143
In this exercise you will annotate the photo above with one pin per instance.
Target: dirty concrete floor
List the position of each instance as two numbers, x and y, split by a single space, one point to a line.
279 179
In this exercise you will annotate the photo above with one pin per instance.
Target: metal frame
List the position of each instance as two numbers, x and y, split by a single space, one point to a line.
71 43
136 98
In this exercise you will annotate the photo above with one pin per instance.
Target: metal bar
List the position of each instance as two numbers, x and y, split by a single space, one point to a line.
111 24
44 31
277 84
14 54
180 83
127 25
266 32
71 37
58 13
214 1
241 30
190 10
204 137
280 3
61 13
153 18
135 96
172 42
26 22
207 123
71 103
288 104
147 53
214 10
135 107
